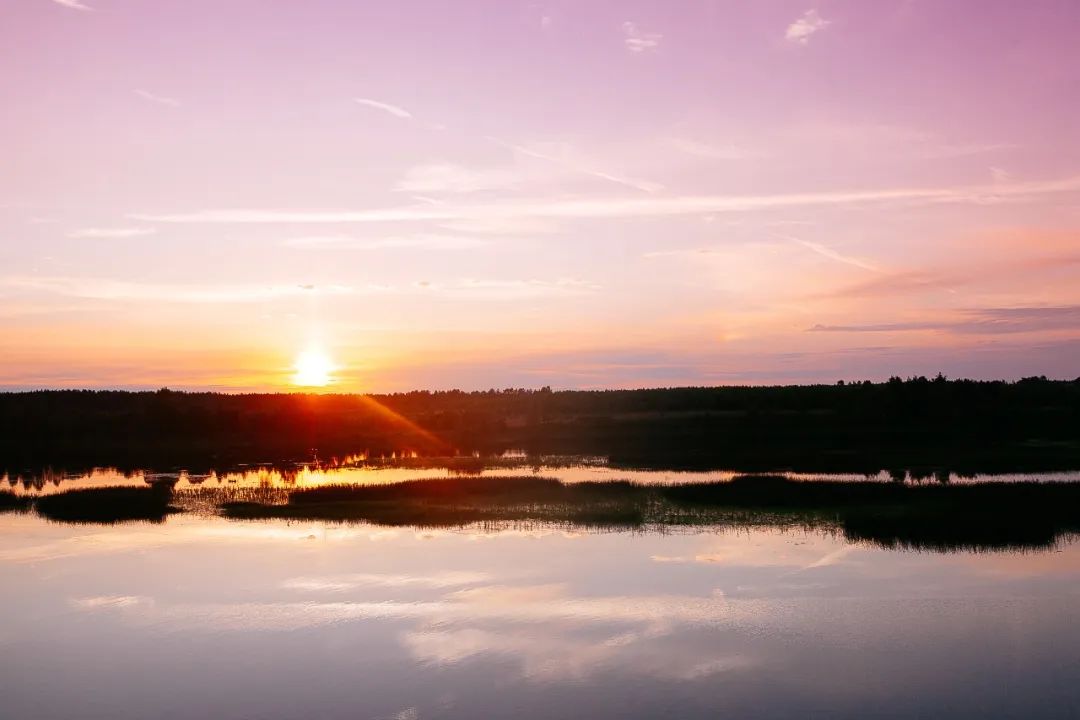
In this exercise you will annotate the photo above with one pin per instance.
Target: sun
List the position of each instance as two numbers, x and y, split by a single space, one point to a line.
313 369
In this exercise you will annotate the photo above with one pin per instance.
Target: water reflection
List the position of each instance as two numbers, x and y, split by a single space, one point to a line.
942 517
202 617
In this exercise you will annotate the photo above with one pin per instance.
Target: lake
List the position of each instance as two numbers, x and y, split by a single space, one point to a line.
199 616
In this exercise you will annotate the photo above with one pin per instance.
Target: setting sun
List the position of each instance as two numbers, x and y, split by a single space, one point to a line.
313 369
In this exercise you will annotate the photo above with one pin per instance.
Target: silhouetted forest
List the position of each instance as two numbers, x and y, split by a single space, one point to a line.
962 425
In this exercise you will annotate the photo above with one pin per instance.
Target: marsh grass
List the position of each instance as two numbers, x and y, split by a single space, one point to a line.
108 505
459 501
10 502
985 516
899 515
895 515
208 500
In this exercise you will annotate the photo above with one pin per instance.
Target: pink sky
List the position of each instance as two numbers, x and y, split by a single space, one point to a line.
575 194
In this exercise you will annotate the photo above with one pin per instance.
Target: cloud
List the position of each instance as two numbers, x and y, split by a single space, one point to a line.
449 178
502 226
713 152
1025 319
569 652
515 289
394 110
73 4
879 327
127 291
831 558
625 207
832 254
1000 175
902 282
123 290
637 41
564 161
159 99
652 636
1004 270
882 140
806 26
109 601
341 583
690 252
118 232
984 321
430 241
945 150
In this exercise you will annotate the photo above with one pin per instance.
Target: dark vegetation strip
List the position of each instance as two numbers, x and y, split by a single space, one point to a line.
936 517
941 517
461 501
107 505
10 502
996 515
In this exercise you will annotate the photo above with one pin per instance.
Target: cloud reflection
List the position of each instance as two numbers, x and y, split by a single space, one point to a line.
340 583
649 635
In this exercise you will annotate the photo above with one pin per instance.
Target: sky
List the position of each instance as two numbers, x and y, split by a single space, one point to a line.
580 194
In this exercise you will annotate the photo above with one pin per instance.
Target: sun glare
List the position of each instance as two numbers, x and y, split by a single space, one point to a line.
313 369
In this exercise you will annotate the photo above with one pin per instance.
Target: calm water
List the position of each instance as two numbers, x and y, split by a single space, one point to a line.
202 617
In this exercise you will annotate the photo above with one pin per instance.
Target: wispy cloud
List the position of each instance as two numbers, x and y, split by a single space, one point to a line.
110 233
922 281
562 159
877 138
828 252
832 558
515 289
394 110
638 41
690 252
901 282
624 207
159 99
713 152
109 601
944 150
107 289
73 4
429 241
817 248
448 178
805 27
502 226
1023 319
635 636
123 290
878 327
340 583
1000 175
983 321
